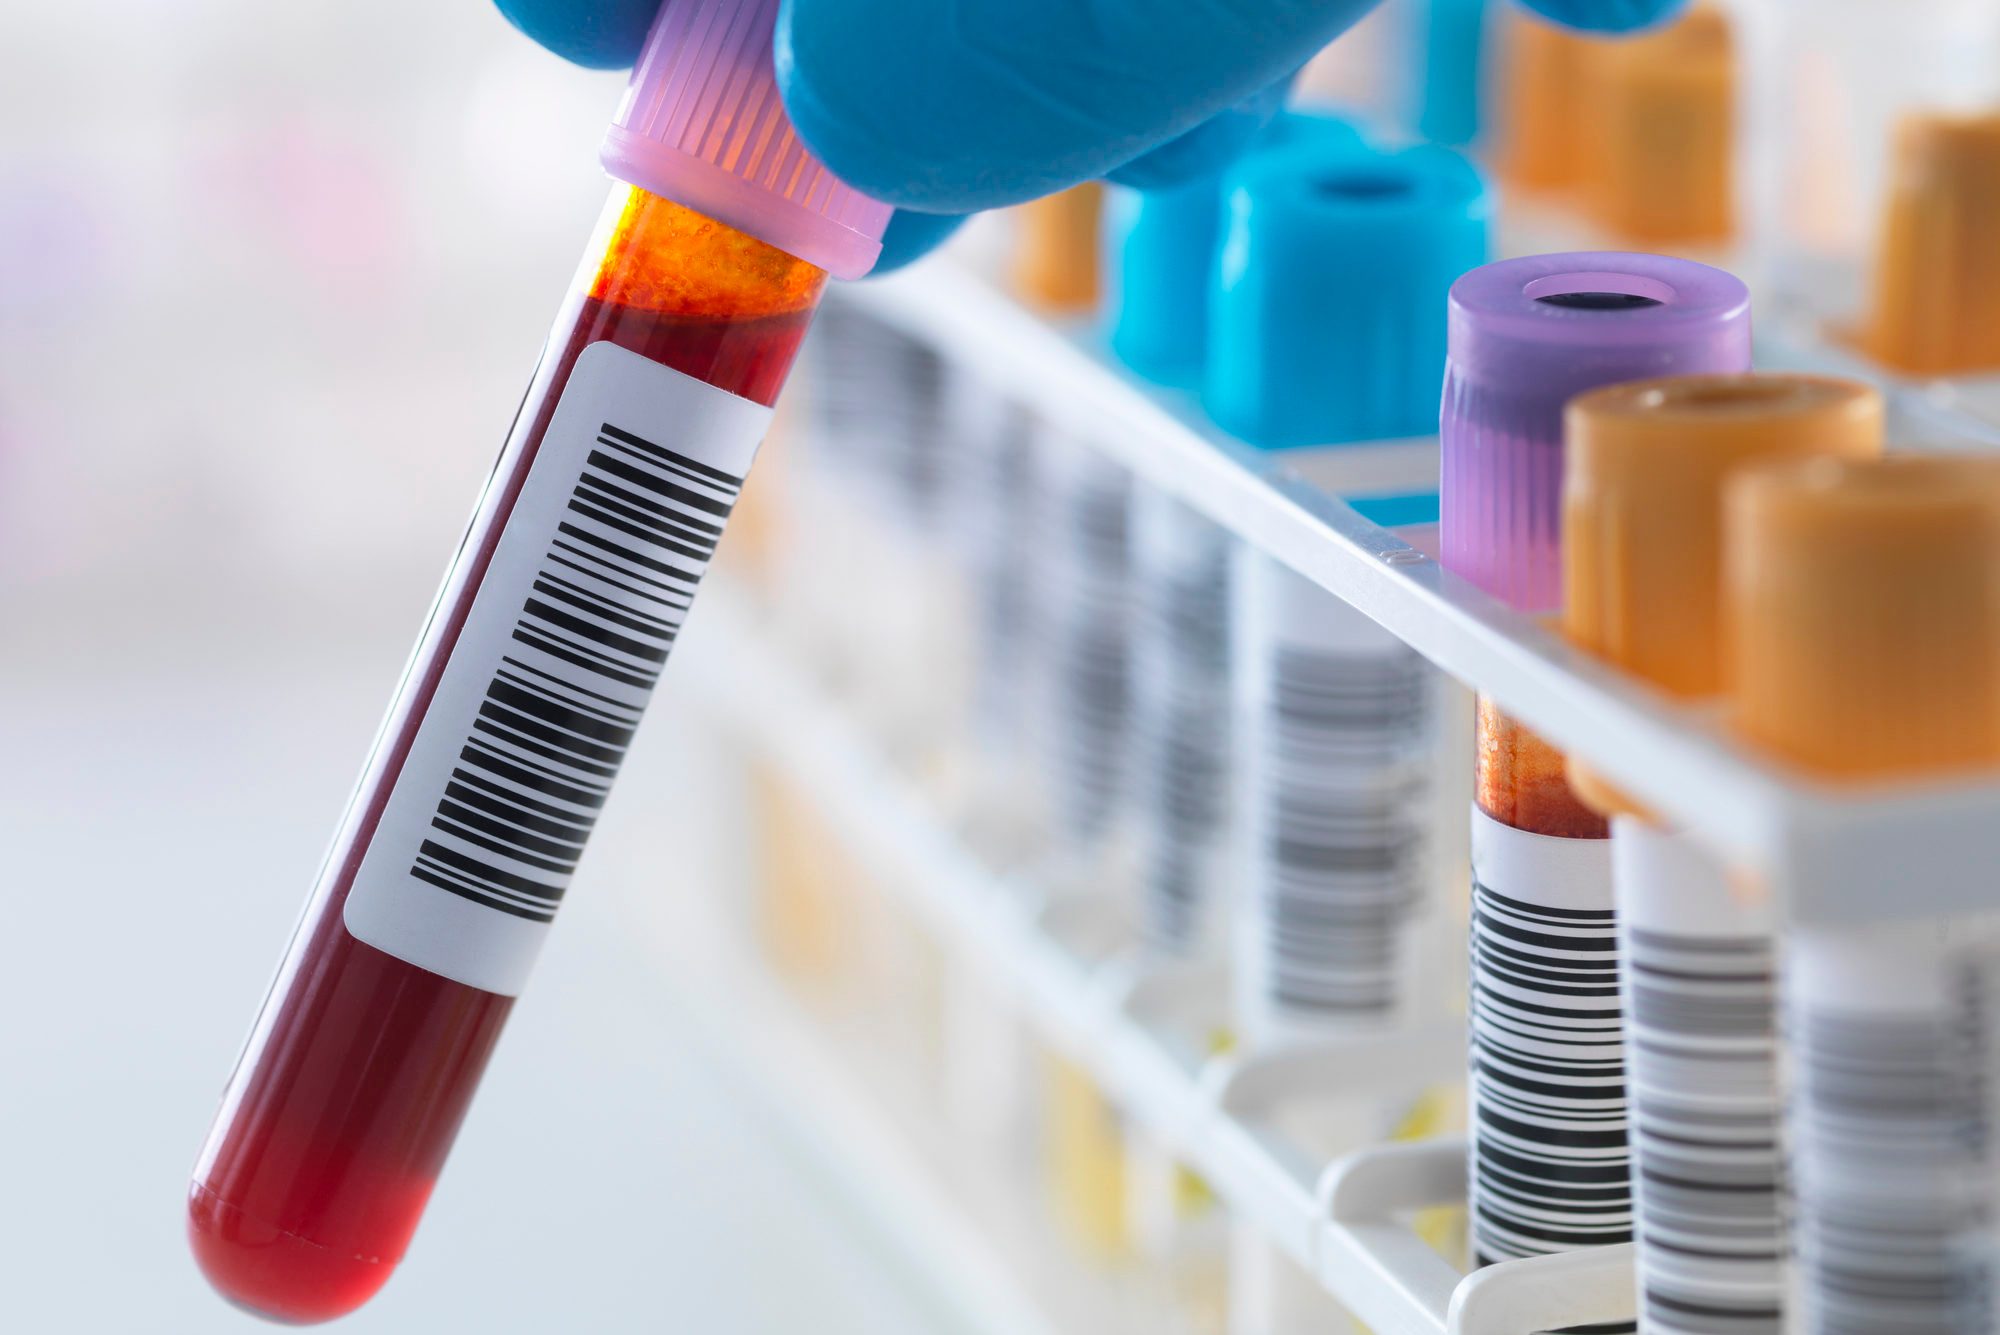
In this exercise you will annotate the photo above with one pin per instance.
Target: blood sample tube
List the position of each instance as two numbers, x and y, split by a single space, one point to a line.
1644 469
1549 1166
532 671
1862 611
1322 355
1327 343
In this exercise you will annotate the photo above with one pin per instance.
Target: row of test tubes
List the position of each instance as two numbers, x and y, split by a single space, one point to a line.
1204 759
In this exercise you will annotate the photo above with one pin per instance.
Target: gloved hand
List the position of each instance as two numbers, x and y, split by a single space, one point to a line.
946 107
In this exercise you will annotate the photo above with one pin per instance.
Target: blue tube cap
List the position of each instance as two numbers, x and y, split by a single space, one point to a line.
1327 319
1160 250
1449 55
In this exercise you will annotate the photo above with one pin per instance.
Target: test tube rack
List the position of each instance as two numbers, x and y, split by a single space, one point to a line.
1823 854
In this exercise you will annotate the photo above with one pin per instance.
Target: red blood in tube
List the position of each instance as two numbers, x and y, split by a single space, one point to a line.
361 1066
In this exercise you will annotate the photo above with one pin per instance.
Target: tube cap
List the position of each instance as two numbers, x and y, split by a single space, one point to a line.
1661 133
1862 609
701 124
1056 265
1644 466
1161 246
1326 322
1449 63
1526 336
1935 300
1541 121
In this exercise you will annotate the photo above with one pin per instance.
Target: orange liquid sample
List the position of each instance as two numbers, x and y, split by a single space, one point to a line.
1519 780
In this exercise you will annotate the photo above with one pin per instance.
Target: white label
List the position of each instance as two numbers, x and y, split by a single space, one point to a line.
1701 1049
1550 1168
1336 720
586 591
1892 1144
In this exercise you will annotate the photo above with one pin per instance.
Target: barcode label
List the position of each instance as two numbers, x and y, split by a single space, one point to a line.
1891 1147
1550 1169
1701 1048
875 407
1087 730
567 634
1183 728
997 506
1334 755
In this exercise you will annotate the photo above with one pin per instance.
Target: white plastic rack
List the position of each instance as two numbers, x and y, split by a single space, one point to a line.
1825 854
1349 1223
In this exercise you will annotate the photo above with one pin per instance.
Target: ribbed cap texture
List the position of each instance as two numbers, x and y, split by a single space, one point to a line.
1863 613
702 124
1527 335
1935 298
1645 465
1327 319
1642 505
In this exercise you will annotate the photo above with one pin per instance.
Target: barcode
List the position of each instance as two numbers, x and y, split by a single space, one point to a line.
1184 724
1337 832
996 500
1701 1047
1090 625
593 635
1550 1168
1893 1216
876 400
590 573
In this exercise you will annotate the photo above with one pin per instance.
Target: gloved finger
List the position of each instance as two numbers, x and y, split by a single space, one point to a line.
1208 147
597 34
958 105
1606 15
913 235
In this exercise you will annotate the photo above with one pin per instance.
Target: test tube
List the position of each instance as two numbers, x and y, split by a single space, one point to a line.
872 439
1161 254
1862 611
1642 553
1549 1168
507 730
1327 343
1322 352
1083 723
998 489
1831 82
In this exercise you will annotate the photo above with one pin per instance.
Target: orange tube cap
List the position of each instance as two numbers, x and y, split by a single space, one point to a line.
1660 133
1934 301
1644 472
1862 613
1056 266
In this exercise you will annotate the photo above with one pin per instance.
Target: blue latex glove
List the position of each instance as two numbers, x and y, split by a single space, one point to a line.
946 107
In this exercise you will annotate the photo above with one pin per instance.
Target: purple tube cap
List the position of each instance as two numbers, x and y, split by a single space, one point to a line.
702 124
1527 335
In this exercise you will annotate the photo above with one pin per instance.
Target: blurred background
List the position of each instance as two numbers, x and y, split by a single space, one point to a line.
272 281
272 278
